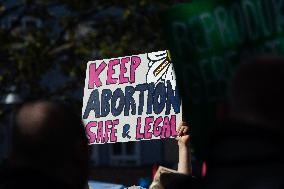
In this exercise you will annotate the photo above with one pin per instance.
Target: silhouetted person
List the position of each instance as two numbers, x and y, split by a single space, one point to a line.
257 92
246 152
50 148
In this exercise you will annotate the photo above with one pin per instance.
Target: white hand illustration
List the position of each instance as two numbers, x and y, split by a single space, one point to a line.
160 68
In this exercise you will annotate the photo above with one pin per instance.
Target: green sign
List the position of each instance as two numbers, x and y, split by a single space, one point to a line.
207 40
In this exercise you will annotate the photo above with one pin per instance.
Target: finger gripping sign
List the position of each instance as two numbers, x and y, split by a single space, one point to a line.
131 98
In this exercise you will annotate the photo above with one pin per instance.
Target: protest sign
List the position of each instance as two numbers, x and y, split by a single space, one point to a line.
131 98
208 39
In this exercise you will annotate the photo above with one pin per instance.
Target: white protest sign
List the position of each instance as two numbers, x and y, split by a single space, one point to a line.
131 98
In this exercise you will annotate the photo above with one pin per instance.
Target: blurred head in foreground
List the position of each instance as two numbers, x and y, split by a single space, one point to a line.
48 137
257 95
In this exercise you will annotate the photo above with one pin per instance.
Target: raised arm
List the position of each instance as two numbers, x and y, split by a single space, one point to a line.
184 164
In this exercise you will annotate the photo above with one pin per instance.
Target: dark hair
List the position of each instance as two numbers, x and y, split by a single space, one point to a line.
48 136
65 122
178 181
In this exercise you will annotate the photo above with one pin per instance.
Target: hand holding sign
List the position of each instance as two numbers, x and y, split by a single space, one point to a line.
183 134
